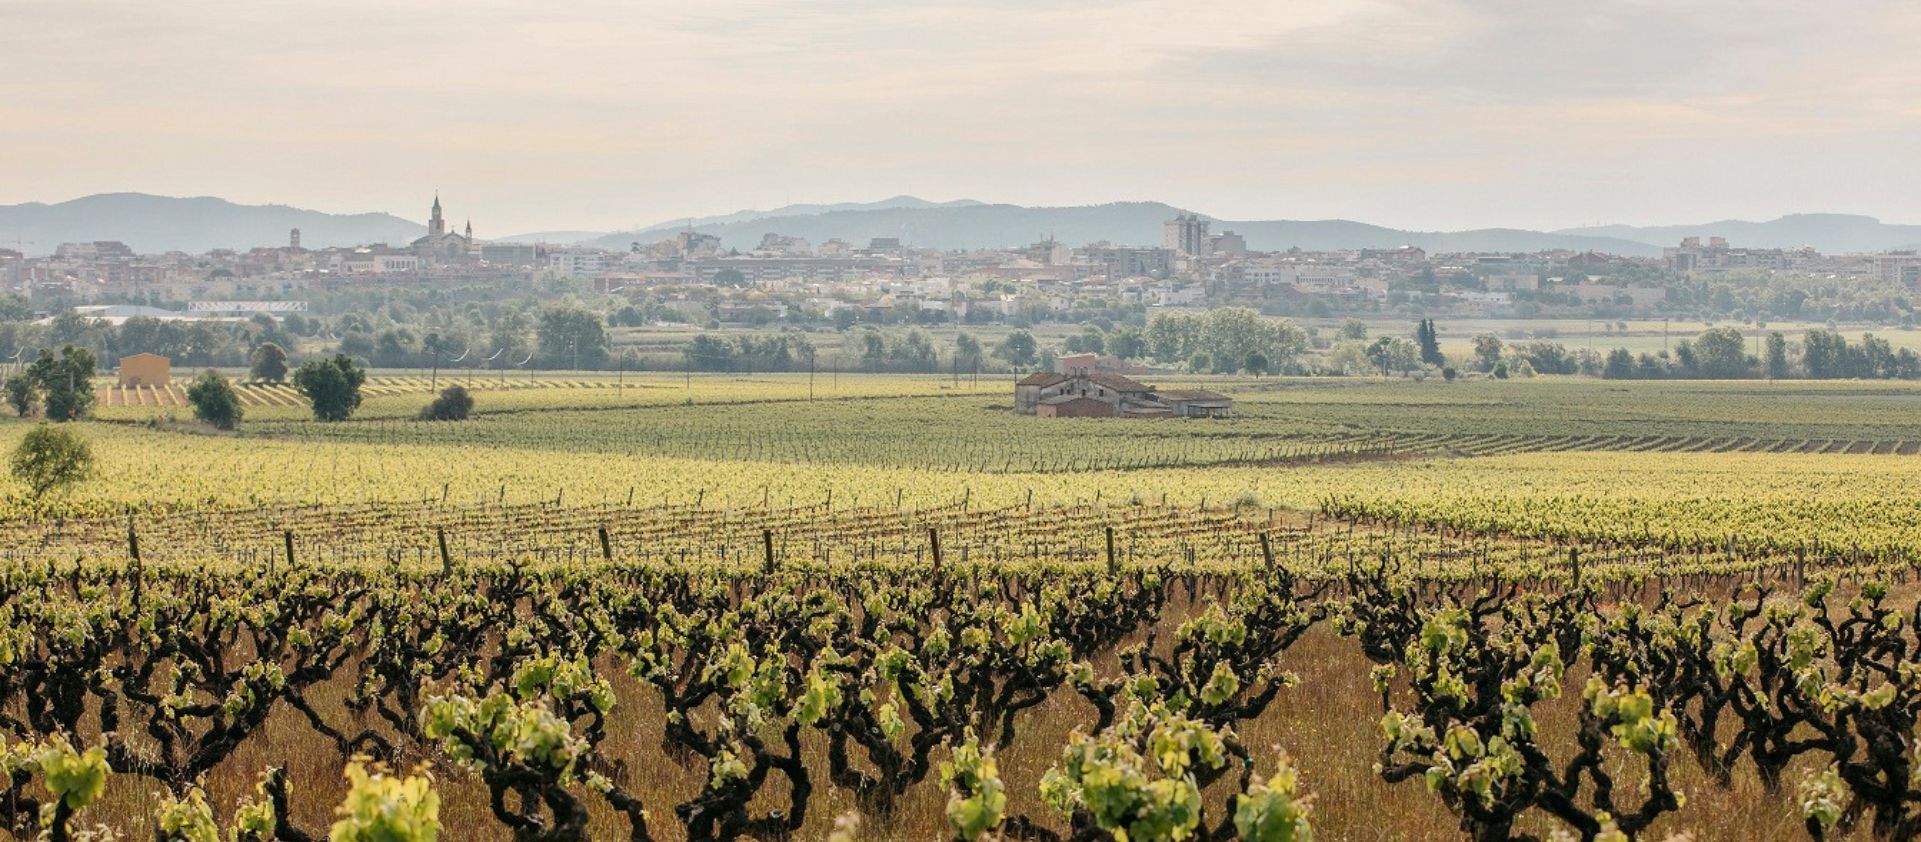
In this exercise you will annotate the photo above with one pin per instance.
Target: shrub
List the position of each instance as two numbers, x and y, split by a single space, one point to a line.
454 404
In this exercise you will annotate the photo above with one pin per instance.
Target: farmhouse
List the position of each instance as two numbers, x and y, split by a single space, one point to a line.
145 370
1050 394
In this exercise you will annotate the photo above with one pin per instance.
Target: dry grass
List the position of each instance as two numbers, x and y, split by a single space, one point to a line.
1327 725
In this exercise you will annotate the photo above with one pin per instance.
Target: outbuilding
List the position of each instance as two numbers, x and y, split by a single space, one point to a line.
1074 406
145 370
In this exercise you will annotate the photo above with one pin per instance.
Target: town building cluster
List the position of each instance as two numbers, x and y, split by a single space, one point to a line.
1192 266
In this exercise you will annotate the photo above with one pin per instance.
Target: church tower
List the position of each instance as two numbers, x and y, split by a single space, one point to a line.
470 232
436 225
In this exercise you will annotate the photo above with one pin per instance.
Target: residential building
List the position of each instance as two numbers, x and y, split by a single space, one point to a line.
575 262
1899 267
1186 235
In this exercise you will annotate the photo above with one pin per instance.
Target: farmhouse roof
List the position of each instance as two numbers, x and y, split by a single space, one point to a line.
1041 378
1118 383
1190 395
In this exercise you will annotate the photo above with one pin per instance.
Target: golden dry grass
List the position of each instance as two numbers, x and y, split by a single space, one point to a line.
1327 725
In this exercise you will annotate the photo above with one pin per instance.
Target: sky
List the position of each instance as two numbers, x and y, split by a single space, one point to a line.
567 115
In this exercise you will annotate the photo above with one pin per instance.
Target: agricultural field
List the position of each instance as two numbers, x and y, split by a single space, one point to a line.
880 607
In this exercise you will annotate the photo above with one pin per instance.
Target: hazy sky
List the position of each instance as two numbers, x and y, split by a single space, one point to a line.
564 114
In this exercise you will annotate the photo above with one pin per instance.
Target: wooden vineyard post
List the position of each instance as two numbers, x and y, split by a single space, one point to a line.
933 543
288 535
1267 552
133 543
767 543
606 546
1574 565
446 560
1113 563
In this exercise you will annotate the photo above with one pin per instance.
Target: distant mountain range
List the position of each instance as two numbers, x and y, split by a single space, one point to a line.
963 225
1832 233
153 224
745 216
158 223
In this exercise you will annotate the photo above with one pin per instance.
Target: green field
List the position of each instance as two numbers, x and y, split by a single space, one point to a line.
681 604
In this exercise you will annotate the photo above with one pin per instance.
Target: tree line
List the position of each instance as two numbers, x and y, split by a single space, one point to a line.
1723 354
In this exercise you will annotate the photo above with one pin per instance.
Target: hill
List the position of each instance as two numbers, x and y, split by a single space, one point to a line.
152 224
974 225
1831 233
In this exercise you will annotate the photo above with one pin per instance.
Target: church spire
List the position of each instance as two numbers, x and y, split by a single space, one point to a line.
436 225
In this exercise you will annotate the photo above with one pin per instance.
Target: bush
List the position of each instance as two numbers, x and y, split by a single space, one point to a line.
50 457
332 386
214 400
453 405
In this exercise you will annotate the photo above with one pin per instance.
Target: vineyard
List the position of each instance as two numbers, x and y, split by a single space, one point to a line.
887 608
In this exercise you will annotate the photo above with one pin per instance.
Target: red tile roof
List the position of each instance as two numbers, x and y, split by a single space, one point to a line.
1041 378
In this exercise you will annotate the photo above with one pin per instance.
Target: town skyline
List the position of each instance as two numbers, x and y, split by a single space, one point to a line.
196 224
1434 116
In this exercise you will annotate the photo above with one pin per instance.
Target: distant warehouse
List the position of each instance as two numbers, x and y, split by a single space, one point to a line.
1091 395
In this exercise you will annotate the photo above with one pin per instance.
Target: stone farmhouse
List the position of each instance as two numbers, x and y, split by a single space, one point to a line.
1084 394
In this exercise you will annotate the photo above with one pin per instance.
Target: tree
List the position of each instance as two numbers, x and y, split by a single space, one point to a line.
967 353
454 404
50 457
1824 354
332 386
873 354
1393 353
21 394
1017 349
1090 341
65 382
1354 329
1721 353
1254 363
915 352
1487 351
1620 365
1777 356
1126 342
214 400
1429 341
269 363
730 277
571 336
